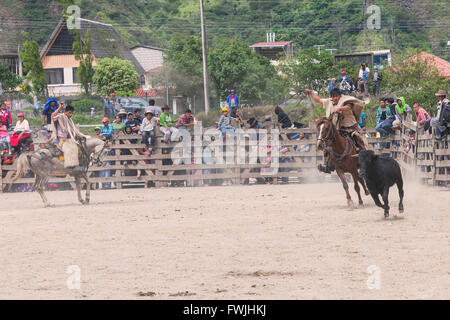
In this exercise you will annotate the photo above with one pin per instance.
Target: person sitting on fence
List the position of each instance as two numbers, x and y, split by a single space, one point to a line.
286 122
225 122
442 118
4 139
253 123
421 115
402 109
148 131
388 126
237 118
183 122
304 147
21 131
133 123
383 111
137 116
118 125
123 115
5 116
166 123
345 110
107 130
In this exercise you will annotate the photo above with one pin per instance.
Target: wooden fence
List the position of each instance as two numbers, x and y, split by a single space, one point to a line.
127 165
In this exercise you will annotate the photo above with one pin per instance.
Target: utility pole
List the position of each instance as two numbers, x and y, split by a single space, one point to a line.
167 84
205 64
318 46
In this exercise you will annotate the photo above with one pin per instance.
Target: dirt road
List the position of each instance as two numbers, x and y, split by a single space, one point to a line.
244 242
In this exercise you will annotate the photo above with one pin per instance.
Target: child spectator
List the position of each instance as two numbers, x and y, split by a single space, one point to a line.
148 130
225 122
118 125
4 138
107 130
133 123
5 116
167 125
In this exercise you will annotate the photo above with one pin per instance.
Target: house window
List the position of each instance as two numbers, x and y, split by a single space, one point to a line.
55 76
75 75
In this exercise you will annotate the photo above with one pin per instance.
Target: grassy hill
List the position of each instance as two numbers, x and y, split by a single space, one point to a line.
334 23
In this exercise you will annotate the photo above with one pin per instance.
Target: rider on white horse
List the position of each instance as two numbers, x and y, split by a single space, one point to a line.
65 134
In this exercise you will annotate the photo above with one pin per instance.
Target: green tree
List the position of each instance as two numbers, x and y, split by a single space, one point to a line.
114 75
8 79
308 70
184 59
82 52
233 64
32 67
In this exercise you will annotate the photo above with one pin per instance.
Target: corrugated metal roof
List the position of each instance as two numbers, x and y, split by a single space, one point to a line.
271 44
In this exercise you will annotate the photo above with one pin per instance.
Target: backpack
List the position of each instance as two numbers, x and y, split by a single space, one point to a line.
446 113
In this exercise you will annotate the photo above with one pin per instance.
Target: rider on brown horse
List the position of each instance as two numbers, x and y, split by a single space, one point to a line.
346 110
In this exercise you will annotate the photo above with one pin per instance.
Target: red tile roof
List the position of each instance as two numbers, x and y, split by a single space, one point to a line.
272 44
442 65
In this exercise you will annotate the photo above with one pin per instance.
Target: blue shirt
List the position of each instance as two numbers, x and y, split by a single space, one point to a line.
361 119
365 76
107 131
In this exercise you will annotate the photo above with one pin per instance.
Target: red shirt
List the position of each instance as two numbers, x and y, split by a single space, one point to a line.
422 115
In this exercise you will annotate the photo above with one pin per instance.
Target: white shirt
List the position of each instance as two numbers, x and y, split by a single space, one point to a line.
361 72
22 126
148 125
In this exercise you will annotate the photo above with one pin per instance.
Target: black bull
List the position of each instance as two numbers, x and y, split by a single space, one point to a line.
380 173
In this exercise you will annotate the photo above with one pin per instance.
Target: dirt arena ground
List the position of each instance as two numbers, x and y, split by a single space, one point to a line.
245 242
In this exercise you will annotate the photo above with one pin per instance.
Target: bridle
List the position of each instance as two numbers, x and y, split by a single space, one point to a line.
331 132
97 159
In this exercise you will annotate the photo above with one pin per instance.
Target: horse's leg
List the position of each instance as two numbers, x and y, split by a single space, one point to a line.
78 186
88 189
386 201
39 186
401 194
341 175
357 189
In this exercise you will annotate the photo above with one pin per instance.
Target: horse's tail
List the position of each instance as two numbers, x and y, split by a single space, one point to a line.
22 164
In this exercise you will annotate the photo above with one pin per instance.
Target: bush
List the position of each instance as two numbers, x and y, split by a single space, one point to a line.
85 105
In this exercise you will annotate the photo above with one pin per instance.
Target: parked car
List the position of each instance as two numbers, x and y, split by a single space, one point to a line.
131 104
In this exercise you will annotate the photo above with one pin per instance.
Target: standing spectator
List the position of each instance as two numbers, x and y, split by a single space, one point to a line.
112 105
376 81
148 130
233 100
362 121
365 81
92 112
106 103
225 122
343 77
383 111
439 122
363 68
167 126
49 108
352 84
37 107
5 116
332 84
118 125
133 123
107 130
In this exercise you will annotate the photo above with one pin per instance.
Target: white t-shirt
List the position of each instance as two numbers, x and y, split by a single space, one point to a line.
22 126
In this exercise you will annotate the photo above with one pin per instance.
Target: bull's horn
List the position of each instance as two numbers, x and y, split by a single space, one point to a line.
355 155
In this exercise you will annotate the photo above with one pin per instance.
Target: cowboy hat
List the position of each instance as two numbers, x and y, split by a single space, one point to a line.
148 111
441 93
122 111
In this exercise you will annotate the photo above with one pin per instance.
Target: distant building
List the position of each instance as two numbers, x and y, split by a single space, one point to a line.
379 59
151 60
59 61
274 50
443 66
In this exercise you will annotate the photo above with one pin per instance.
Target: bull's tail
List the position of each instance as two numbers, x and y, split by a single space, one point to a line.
22 164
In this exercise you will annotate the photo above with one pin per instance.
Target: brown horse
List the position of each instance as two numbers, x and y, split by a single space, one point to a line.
341 151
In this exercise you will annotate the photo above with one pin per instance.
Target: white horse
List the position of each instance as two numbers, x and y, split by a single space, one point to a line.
44 165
